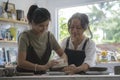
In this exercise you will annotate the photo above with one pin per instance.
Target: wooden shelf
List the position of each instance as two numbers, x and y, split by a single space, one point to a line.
13 21
6 41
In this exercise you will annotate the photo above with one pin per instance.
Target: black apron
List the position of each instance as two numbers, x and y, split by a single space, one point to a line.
33 58
75 56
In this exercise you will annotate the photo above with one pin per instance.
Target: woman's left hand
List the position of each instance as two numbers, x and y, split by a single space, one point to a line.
51 63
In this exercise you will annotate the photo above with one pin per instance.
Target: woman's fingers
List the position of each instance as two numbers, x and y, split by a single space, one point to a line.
71 69
52 63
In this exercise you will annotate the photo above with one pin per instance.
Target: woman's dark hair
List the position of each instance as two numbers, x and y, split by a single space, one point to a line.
38 15
83 19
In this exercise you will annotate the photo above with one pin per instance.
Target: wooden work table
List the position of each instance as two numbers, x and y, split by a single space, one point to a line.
63 77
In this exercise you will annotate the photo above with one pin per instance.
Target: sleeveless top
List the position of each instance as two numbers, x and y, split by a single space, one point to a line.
33 58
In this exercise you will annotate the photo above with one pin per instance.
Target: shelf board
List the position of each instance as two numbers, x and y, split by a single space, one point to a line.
5 41
13 21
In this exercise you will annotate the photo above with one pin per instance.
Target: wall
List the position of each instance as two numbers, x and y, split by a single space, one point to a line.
25 4
52 6
22 4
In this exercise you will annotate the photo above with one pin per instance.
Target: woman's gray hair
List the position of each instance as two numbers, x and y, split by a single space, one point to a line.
83 19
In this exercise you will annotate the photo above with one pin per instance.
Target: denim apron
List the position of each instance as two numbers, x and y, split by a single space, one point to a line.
33 58
75 56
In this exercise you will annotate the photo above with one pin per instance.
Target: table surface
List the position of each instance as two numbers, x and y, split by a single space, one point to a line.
63 77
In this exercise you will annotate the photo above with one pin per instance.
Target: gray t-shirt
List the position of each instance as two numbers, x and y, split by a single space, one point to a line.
38 42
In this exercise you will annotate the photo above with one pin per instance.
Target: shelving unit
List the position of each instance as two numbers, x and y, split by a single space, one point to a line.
9 43
9 46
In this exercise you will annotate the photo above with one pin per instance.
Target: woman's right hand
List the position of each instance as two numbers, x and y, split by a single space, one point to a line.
51 63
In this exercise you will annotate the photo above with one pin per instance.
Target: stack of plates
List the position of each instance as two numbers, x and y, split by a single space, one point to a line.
97 73
97 68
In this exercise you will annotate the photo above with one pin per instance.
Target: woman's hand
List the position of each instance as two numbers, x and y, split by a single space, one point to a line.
71 69
50 64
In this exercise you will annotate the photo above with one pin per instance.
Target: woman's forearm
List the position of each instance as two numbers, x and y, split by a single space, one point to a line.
64 56
83 67
31 66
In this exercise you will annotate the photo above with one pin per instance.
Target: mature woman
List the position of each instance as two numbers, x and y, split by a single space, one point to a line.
79 48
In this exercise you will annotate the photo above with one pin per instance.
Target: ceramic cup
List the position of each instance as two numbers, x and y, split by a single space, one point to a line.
117 70
9 71
2 72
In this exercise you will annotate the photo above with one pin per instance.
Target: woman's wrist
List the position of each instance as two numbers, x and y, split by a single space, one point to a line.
45 67
78 69
35 69
41 68
83 67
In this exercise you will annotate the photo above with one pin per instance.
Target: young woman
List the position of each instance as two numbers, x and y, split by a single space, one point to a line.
35 45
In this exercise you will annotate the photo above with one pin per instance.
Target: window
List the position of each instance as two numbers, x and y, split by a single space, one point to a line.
105 25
